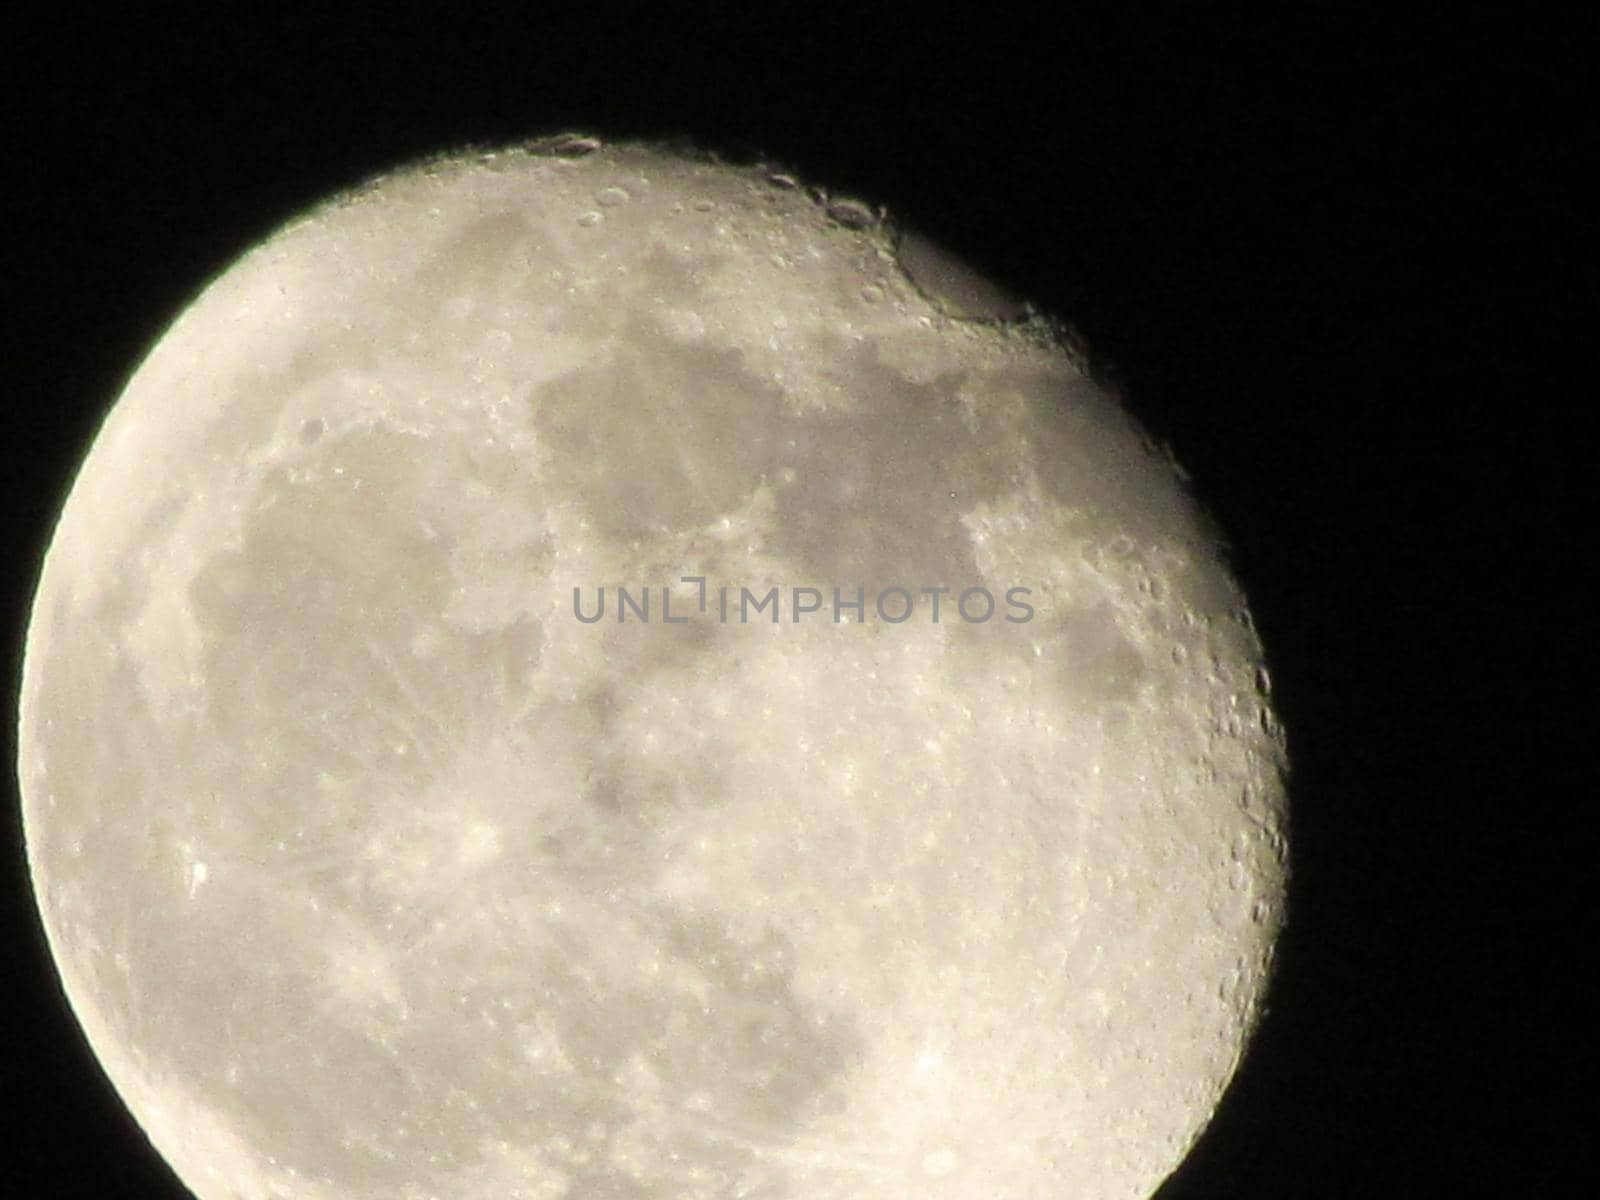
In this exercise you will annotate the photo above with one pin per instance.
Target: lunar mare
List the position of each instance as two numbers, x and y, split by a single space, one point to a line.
371 872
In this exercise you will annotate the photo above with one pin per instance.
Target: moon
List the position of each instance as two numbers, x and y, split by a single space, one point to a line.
587 671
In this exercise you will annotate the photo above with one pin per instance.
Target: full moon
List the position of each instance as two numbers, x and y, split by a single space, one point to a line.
589 672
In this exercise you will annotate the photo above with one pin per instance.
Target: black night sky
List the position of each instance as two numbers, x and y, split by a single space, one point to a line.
1281 238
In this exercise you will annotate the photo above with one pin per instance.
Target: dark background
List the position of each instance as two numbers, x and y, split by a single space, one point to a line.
1287 239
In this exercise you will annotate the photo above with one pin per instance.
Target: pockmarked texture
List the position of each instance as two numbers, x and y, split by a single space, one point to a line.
372 874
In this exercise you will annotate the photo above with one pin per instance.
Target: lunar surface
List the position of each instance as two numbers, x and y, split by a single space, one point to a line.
486 731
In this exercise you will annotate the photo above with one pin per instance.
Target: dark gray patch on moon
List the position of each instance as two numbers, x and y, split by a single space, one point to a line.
659 436
871 499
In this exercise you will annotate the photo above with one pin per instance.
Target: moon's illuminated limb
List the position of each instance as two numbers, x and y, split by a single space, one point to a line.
372 873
